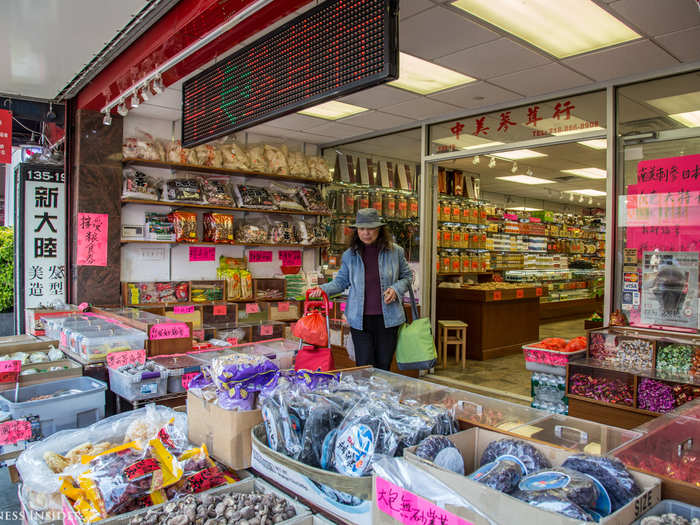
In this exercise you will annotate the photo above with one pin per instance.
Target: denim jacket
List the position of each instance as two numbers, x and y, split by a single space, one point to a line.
394 272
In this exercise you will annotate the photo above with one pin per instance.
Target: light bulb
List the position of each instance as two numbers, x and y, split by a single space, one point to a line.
121 109
514 168
492 163
134 101
107 120
144 92
529 172
476 160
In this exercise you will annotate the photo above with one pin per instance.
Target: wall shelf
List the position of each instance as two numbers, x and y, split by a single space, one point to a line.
225 208
202 243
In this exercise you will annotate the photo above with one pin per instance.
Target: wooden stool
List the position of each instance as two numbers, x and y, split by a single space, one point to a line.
453 333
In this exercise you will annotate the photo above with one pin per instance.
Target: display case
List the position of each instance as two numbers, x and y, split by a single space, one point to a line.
670 450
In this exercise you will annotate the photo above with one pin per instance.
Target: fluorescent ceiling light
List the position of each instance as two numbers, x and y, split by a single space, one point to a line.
467 142
332 110
562 28
519 154
690 119
687 102
524 208
589 173
588 192
423 77
595 143
525 179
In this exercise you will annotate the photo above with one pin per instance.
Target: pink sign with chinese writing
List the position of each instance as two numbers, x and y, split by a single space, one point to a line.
406 507
202 253
258 256
13 431
92 239
117 359
168 331
290 257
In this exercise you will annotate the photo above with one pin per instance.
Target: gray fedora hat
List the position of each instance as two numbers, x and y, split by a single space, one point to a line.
367 218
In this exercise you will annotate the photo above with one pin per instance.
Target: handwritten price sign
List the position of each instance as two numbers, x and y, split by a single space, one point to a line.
252 308
183 309
186 378
283 307
168 331
538 292
258 256
9 371
117 359
406 507
13 431
290 257
219 309
202 253
519 294
266 329
497 295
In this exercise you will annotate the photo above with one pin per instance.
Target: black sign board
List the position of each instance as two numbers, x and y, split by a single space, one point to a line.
337 48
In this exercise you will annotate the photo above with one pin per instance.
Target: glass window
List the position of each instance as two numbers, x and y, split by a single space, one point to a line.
554 118
658 239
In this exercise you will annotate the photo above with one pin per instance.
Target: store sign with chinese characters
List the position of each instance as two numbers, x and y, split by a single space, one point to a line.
41 234
555 118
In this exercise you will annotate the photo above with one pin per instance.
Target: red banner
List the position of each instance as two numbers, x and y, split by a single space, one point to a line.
5 136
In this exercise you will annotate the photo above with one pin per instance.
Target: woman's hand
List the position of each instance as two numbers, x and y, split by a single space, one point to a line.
316 291
390 296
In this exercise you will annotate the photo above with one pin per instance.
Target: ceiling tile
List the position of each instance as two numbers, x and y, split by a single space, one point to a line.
439 31
409 8
658 18
542 79
296 122
476 95
379 96
621 61
492 59
421 109
376 120
338 130
684 45
157 112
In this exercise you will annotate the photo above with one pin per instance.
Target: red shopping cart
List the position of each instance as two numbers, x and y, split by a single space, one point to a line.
314 329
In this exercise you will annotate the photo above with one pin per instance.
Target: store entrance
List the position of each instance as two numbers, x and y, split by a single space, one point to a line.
520 243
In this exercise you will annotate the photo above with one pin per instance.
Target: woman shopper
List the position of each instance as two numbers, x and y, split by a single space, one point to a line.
377 275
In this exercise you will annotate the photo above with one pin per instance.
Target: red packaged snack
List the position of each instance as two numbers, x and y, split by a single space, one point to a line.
218 228
185 225
577 343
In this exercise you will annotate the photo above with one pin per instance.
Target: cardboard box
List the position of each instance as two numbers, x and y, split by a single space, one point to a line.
503 508
226 433
294 476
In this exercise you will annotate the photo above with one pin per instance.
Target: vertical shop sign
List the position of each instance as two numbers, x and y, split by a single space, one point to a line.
5 136
670 289
40 216
92 239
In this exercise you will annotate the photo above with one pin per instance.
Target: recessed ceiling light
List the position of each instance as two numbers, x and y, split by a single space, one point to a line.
690 119
423 77
519 154
524 208
589 192
677 103
562 28
525 179
332 110
589 173
595 143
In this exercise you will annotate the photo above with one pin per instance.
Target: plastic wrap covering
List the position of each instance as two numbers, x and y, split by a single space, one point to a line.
562 482
234 156
532 459
238 377
554 503
504 473
611 473
441 451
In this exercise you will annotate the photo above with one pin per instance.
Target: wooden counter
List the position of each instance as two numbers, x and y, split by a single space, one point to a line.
500 322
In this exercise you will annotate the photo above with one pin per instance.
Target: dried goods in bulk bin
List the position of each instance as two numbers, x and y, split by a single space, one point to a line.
138 381
676 358
561 482
637 354
441 451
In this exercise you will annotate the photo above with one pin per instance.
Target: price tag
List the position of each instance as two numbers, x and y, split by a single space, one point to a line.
266 329
9 371
232 341
538 292
342 307
290 257
117 359
403 505
497 295
520 293
168 331
69 517
283 307
183 309
202 253
259 256
13 431
186 378
252 308
220 309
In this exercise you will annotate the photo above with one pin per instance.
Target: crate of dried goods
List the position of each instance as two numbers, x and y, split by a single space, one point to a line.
138 381
269 289
555 351
180 369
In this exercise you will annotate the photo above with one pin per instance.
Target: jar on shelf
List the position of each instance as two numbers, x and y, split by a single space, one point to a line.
464 263
413 207
388 205
475 215
375 201
445 211
466 213
444 262
440 243
482 241
401 207
342 203
342 232
361 200
446 237
464 234
455 263
456 211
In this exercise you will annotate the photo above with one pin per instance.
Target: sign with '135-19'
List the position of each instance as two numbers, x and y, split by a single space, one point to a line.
40 235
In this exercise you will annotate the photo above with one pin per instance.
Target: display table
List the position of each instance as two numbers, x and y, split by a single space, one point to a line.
500 321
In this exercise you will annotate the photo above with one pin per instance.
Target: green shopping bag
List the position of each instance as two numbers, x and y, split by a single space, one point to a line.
415 349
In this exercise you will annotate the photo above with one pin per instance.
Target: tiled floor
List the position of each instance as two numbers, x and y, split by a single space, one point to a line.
504 377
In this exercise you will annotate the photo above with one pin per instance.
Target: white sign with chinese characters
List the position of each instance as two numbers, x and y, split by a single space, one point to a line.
44 272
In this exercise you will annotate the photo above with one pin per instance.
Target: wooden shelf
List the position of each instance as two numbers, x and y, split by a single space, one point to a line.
226 208
613 405
202 243
217 171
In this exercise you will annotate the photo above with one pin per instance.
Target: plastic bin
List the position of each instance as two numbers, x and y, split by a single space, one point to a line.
550 357
135 387
97 346
82 403
177 366
671 506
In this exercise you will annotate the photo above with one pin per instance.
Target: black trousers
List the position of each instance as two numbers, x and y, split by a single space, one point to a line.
375 344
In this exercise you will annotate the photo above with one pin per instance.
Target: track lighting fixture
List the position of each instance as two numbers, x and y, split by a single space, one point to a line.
134 101
144 92
514 168
121 108
107 120
476 160
492 163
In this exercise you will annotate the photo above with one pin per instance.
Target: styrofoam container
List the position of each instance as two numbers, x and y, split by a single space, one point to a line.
82 404
136 387
671 506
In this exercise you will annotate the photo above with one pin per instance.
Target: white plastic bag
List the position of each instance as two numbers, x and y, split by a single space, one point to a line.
350 347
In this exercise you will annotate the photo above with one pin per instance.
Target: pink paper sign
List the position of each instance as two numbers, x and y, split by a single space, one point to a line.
92 239
266 329
290 257
219 309
202 253
69 516
283 307
168 331
342 307
406 507
117 359
13 431
9 371
183 309
186 378
252 308
258 256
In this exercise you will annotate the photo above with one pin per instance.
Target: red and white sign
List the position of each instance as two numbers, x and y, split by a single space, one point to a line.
168 331
5 136
9 371
13 431
117 359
